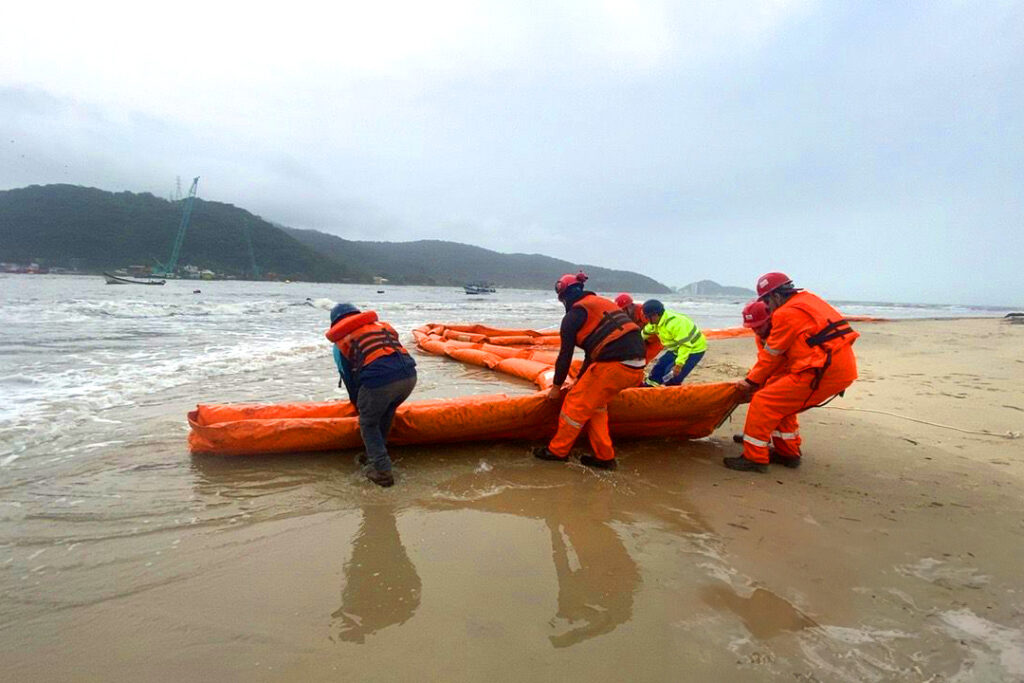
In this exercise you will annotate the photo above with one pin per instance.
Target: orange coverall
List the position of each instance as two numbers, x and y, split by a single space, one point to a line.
587 404
786 435
587 400
794 375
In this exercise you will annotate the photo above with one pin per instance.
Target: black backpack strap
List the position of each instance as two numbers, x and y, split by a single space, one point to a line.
834 330
611 321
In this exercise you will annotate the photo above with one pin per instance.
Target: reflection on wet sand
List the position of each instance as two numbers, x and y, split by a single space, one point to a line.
593 521
764 613
382 587
585 513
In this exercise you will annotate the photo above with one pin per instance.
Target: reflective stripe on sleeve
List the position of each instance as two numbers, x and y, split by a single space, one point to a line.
754 442
772 351
571 422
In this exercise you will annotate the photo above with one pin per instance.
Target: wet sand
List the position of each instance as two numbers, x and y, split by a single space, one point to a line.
894 553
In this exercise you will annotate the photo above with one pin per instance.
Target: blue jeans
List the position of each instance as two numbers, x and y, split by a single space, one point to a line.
377 407
661 373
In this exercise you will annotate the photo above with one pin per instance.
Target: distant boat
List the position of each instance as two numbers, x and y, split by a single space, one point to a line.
479 288
120 280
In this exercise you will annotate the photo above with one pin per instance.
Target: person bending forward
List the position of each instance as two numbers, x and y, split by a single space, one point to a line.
614 361
810 347
379 375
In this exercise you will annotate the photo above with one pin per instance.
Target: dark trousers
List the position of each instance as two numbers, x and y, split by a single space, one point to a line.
377 407
661 373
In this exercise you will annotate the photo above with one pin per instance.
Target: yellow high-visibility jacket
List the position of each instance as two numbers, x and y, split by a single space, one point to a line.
678 334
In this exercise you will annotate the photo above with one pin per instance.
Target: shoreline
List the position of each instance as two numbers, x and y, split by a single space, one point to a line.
1009 308
893 552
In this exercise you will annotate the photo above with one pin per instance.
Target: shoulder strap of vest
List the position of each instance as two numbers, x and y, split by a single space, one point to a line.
610 323
376 339
833 329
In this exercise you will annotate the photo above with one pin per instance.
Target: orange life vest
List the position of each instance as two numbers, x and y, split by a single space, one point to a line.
605 323
362 339
828 333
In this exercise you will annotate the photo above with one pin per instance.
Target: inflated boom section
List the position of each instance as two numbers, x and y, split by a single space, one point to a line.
689 411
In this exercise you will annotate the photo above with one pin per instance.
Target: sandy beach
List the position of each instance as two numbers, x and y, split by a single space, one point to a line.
894 553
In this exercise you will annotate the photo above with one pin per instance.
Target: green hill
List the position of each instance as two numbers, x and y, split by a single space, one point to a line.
67 225
712 288
90 229
436 262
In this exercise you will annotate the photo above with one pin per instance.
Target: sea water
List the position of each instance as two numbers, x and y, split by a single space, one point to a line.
102 506
77 355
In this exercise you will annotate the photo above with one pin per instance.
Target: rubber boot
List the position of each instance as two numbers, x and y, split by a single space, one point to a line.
542 453
379 478
593 461
776 459
743 465
773 456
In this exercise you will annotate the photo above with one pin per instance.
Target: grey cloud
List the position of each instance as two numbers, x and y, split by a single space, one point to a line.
871 149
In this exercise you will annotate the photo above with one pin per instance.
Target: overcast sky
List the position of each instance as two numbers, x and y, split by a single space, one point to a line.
871 150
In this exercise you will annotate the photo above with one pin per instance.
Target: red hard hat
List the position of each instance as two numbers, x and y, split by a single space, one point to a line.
623 300
755 314
769 282
569 280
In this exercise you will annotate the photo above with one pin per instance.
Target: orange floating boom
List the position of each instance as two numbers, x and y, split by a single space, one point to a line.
688 411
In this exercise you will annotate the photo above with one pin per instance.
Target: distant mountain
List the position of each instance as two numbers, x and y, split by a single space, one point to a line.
712 288
94 230
436 262
90 229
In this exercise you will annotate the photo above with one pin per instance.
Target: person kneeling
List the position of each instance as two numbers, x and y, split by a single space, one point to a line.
379 375
684 344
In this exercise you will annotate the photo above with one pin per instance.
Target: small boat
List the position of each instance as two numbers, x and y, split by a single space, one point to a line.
122 280
478 288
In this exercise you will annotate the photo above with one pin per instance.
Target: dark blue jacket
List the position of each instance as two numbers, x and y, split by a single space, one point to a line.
384 370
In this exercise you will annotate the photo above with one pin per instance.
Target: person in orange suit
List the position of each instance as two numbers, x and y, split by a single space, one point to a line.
806 359
614 361
635 311
758 319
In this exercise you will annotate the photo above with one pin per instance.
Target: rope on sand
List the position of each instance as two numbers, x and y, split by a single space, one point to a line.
1007 435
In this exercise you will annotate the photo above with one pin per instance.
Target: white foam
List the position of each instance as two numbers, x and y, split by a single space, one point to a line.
996 649
941 573
862 636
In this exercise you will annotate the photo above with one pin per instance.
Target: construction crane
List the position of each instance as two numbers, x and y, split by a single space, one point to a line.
167 269
252 255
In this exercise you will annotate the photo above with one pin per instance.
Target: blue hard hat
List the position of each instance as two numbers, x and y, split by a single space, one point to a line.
341 311
653 307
